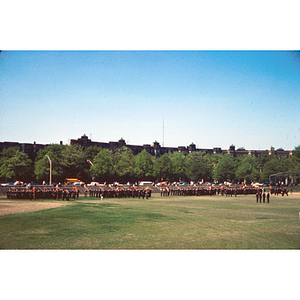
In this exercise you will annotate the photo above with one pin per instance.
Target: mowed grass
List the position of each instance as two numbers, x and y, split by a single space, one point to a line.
188 222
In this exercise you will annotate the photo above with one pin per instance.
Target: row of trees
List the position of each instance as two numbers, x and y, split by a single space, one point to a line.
100 164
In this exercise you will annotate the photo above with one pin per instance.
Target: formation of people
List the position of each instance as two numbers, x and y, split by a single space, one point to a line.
206 191
42 193
110 192
67 193
280 191
63 193
261 197
264 197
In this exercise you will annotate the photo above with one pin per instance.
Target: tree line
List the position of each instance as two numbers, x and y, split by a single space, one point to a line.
100 164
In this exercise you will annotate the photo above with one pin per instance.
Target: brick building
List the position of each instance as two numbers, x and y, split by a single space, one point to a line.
29 149
154 149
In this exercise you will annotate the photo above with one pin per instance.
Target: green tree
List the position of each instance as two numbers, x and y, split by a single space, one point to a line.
179 166
197 167
74 162
261 160
5 155
91 152
42 167
163 168
103 167
17 167
224 170
213 159
270 167
144 166
124 162
247 171
296 152
294 164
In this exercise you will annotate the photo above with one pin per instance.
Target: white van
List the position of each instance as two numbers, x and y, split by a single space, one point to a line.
146 183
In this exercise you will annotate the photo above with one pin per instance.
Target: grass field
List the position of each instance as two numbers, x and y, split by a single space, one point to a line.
188 222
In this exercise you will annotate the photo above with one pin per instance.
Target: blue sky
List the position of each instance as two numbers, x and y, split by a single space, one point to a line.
250 99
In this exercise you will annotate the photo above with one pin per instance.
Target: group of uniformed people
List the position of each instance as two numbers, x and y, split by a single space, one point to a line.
138 192
279 191
73 193
262 197
110 192
42 193
206 191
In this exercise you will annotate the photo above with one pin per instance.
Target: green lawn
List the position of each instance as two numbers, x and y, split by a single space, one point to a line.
188 222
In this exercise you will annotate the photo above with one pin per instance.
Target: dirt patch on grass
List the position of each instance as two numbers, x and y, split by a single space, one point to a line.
8 207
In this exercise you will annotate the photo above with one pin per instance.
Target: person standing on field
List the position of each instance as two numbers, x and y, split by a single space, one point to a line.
259 197
268 197
67 195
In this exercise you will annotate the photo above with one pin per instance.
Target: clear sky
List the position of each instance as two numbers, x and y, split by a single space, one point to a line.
250 99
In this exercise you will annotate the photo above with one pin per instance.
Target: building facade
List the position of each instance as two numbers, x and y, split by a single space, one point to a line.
154 149
30 149
157 150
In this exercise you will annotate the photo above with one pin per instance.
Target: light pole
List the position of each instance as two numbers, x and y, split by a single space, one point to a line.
93 178
50 168
90 162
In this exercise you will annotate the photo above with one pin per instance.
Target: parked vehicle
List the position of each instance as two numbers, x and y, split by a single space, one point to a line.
32 184
161 183
19 182
94 183
7 183
73 180
146 183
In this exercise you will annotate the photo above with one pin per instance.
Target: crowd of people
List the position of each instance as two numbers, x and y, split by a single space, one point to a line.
110 192
42 193
67 192
280 191
207 191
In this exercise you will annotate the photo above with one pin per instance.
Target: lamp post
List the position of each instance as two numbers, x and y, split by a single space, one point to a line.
93 178
50 168
90 162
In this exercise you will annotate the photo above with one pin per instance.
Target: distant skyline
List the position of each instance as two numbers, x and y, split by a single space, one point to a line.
250 99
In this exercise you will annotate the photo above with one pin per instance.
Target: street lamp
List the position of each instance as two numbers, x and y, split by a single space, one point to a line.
90 162
93 178
50 168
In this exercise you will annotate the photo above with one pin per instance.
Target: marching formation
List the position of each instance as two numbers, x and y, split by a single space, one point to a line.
67 193
73 193
207 191
42 193
119 192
